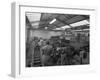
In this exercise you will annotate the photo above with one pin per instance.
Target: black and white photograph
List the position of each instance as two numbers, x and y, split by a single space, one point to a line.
54 39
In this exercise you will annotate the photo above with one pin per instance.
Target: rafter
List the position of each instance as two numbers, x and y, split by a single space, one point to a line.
63 22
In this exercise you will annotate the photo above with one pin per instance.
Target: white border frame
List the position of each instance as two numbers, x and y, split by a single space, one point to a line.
18 41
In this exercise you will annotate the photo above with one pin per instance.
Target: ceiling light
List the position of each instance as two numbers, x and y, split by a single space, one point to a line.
53 21
64 27
46 27
58 29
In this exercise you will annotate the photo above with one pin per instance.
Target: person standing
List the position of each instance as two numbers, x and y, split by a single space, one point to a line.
46 51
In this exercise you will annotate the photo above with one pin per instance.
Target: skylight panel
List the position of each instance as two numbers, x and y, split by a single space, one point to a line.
80 23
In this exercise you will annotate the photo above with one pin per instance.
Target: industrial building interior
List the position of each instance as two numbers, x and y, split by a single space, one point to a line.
54 39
